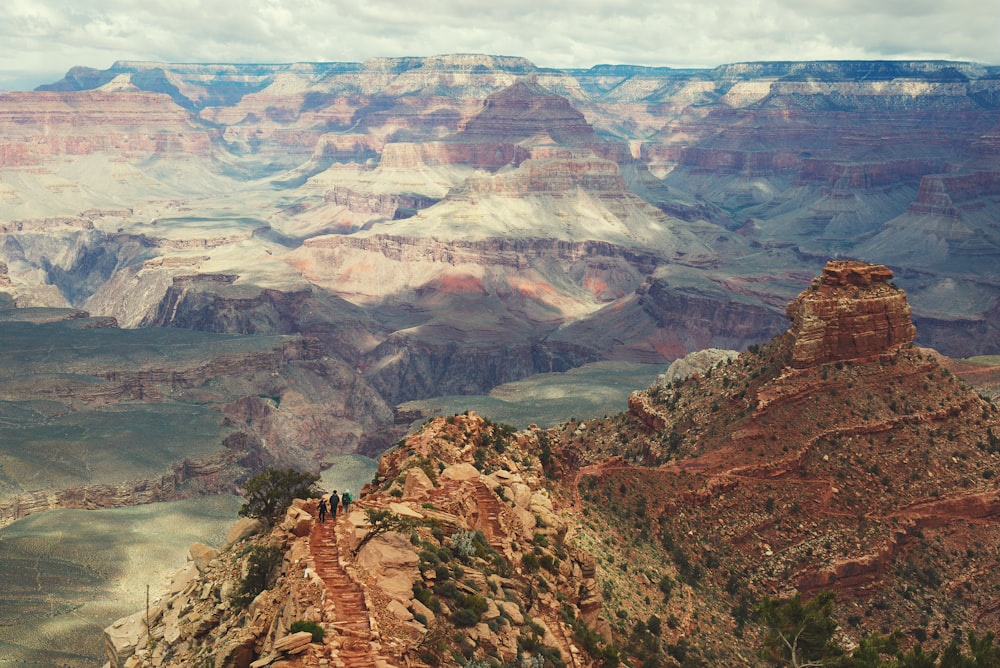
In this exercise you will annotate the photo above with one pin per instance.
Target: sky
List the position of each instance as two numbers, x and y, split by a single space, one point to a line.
41 39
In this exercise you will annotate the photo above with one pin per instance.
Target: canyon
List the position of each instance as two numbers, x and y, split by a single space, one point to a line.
209 269
864 468
443 225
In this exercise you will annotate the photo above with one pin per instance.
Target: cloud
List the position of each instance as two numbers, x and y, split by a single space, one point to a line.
49 36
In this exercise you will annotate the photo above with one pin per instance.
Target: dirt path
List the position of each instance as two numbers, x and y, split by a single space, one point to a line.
359 646
489 516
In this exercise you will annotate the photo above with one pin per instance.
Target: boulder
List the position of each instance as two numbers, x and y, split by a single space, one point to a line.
405 510
292 642
297 521
183 578
399 610
416 484
520 494
201 555
460 472
242 529
122 638
392 562
418 608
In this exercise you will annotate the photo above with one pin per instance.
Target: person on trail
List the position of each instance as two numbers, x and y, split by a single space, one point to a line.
334 502
322 510
346 499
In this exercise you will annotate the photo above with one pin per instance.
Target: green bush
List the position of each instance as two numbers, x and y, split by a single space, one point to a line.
261 562
312 627
529 562
464 618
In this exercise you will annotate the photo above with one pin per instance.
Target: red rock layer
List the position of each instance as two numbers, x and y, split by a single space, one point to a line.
851 311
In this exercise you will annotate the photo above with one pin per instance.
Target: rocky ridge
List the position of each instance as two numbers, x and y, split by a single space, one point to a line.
859 465
483 553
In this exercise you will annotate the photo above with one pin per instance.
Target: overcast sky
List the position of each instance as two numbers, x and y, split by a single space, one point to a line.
41 39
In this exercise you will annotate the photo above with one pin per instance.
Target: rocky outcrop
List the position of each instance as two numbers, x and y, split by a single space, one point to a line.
456 546
385 205
852 311
697 362
838 455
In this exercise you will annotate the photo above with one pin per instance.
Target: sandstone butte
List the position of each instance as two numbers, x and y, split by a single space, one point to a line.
859 465
831 322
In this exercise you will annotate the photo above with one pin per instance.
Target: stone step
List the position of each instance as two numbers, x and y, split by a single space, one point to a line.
352 621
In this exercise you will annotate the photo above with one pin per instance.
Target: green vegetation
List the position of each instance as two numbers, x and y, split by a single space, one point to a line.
380 522
801 635
269 493
260 565
312 627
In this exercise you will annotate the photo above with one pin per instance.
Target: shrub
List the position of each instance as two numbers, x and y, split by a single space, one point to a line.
312 627
464 618
463 544
260 563
529 562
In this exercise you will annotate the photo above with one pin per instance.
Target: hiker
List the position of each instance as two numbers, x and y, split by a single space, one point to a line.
346 499
334 502
322 510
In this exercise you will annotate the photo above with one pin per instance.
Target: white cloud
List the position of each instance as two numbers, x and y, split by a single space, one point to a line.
50 36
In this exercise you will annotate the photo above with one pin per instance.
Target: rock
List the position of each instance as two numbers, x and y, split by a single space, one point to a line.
242 529
405 510
265 660
122 638
460 472
297 521
236 653
201 555
183 578
697 362
392 561
418 608
416 485
511 611
850 312
492 611
527 518
521 494
293 641
399 610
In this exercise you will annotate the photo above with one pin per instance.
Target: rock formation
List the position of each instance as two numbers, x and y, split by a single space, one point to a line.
482 553
852 311
444 224
836 456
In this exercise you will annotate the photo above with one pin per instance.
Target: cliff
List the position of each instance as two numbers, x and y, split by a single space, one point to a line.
850 312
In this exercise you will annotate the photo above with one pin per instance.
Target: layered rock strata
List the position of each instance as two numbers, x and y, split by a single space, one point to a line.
851 311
